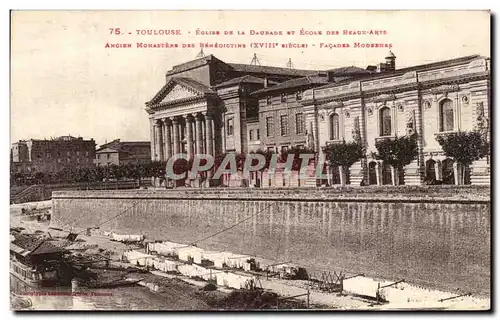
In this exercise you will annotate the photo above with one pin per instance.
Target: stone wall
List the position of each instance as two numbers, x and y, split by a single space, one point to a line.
433 238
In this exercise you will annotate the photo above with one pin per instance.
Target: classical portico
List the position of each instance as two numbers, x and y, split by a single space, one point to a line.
182 120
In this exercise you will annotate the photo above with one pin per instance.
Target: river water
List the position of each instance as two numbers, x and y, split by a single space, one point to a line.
58 298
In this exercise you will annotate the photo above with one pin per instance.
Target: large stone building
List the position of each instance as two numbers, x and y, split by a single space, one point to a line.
52 155
206 106
210 106
119 152
430 100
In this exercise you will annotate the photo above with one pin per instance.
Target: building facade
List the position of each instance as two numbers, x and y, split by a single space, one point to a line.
206 106
210 106
119 152
52 155
429 100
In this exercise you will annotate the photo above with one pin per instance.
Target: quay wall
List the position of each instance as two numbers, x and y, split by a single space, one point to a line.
436 237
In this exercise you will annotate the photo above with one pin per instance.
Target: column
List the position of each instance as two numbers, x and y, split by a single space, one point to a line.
152 125
179 125
209 134
438 168
176 135
210 140
168 139
457 170
199 135
378 173
159 140
189 136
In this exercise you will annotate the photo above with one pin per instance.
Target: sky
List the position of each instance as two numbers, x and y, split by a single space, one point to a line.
65 81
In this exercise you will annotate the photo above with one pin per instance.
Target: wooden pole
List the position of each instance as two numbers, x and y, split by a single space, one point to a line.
308 294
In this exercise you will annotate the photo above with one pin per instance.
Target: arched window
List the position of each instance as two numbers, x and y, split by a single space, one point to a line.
385 121
334 127
446 115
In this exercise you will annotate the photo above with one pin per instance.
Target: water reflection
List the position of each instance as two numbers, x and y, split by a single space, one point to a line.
127 298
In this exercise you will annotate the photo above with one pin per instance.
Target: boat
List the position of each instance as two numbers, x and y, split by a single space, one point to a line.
115 283
32 277
37 262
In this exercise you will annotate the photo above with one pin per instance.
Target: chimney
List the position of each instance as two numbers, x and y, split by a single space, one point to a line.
390 61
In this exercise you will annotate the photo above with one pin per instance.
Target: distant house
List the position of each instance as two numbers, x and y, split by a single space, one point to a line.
123 152
52 155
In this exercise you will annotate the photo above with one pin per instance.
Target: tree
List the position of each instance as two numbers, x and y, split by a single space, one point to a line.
40 177
158 170
344 155
464 147
397 152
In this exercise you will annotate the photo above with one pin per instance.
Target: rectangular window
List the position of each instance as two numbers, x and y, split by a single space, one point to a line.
284 149
268 101
86 153
270 149
269 126
109 156
78 153
250 135
298 95
300 146
283 97
230 126
284 125
300 125
258 134
68 153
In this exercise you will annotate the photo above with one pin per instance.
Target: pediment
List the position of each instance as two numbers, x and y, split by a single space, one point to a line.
107 150
178 92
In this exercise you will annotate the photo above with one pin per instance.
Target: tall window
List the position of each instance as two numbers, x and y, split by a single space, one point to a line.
268 100
269 126
284 125
385 121
258 134
230 126
298 95
334 127
283 97
300 124
250 135
446 115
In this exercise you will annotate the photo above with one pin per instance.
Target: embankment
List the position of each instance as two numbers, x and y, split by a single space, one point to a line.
432 236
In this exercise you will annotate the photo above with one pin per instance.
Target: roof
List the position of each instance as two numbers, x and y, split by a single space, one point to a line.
350 70
120 145
397 72
192 64
246 68
34 246
294 83
250 68
198 86
244 79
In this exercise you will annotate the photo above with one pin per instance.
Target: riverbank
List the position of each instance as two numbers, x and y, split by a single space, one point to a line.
283 287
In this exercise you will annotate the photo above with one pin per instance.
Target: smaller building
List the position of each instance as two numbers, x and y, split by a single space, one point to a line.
119 152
